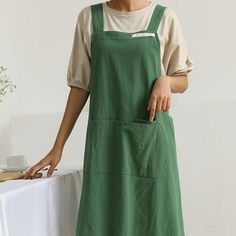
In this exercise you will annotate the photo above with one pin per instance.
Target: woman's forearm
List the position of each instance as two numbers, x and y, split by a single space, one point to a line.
178 84
75 103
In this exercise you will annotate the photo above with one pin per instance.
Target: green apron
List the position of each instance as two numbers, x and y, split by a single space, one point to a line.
130 174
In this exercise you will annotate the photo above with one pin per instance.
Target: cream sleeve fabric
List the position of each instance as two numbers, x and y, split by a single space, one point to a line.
175 56
174 51
78 73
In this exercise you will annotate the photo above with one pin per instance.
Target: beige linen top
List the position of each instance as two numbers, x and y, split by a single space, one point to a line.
174 52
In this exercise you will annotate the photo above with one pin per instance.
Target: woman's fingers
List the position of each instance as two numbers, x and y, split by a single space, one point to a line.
52 159
51 170
152 108
160 96
38 167
158 103
35 168
164 104
28 172
168 103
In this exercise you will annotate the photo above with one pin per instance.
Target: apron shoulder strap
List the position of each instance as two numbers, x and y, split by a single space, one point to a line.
156 18
97 16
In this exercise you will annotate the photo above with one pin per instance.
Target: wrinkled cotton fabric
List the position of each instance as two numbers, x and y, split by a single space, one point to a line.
131 182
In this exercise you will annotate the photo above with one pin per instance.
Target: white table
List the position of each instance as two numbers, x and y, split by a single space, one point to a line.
46 206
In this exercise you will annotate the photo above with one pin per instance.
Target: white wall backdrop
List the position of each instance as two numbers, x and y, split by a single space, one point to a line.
35 44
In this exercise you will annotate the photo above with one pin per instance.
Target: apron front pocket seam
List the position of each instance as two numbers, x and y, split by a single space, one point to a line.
119 146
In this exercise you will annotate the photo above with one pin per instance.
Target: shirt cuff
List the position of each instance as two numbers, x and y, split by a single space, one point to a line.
73 83
183 70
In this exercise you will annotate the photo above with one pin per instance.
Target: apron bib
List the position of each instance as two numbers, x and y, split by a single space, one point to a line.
130 173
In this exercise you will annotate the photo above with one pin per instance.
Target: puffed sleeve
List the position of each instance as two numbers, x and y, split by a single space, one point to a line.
176 59
78 73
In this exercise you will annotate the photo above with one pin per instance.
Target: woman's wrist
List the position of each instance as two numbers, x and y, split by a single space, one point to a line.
58 147
178 84
169 78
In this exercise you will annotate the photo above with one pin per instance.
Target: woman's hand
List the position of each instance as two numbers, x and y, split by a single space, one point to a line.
52 159
160 98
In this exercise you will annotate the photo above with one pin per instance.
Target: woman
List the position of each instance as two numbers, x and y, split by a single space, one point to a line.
129 56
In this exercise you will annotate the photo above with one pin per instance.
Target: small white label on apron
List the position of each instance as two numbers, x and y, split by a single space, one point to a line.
141 34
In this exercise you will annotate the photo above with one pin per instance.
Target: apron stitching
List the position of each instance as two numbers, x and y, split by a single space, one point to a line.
119 173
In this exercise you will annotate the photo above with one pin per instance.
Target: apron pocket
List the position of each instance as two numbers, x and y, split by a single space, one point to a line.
123 147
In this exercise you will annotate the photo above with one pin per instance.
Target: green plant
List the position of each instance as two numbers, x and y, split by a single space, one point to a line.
5 83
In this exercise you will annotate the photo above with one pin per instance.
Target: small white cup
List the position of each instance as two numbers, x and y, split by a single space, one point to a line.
16 161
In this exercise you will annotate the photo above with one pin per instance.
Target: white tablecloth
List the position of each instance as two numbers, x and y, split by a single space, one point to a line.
46 206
